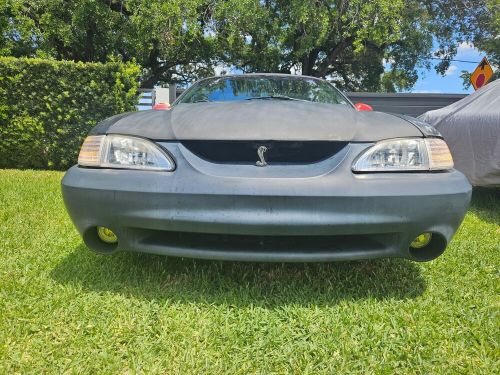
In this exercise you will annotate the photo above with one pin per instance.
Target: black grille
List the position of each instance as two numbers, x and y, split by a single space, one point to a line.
278 152
241 243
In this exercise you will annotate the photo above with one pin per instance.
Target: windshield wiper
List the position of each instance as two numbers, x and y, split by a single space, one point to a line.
278 97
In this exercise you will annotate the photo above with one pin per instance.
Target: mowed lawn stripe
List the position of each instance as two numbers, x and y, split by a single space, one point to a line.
66 309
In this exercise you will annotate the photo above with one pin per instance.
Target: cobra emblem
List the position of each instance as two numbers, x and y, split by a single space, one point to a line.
261 151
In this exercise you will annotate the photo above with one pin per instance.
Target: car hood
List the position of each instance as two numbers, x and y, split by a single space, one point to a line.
260 120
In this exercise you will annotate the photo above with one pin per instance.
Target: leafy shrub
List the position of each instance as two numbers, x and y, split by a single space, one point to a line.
47 107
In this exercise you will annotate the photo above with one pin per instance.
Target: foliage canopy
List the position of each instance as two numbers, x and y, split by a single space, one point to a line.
360 44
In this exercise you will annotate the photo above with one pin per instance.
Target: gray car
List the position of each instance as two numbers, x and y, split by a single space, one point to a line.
266 167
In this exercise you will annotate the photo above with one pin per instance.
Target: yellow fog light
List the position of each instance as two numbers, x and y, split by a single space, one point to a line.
421 240
106 235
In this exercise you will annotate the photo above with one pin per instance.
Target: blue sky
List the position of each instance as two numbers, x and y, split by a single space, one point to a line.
430 81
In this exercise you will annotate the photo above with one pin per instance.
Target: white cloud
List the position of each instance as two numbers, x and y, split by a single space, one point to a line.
466 50
451 70
427 92
465 47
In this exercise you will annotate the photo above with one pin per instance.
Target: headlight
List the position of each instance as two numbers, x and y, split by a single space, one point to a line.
411 154
118 151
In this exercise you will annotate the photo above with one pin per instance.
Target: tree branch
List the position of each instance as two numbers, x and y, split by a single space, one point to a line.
117 6
334 54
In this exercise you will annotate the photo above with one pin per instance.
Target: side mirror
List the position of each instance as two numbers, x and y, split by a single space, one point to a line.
363 107
161 107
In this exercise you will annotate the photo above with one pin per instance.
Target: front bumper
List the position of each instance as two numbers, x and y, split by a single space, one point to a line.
201 212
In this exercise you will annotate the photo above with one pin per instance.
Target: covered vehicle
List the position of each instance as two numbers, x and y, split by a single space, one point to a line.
266 167
471 127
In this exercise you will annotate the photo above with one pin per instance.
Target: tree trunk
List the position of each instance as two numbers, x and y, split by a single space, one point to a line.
88 51
308 62
334 54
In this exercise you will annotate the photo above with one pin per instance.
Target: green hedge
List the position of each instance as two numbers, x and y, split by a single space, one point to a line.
47 107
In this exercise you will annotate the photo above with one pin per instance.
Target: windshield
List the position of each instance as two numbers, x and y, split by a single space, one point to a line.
224 89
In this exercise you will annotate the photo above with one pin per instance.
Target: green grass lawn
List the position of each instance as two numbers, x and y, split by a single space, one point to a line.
66 309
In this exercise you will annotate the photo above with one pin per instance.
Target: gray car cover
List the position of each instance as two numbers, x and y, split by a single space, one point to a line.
471 127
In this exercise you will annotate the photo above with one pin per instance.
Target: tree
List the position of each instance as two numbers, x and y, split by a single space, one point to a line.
349 41
376 45
484 32
169 40
165 37
345 40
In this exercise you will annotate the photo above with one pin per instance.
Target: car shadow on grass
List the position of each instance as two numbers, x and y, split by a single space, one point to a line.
485 203
160 278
